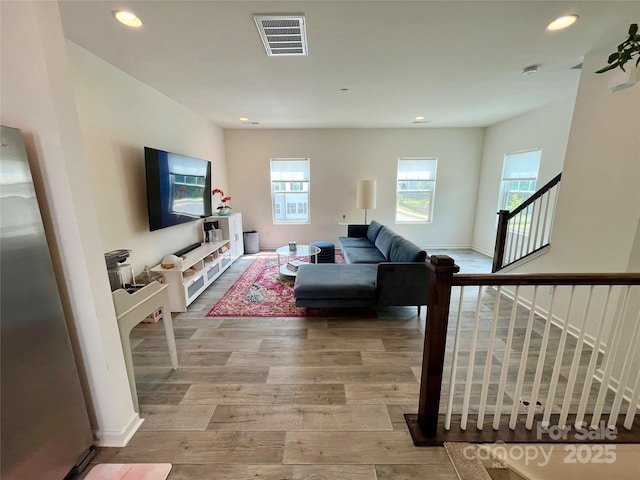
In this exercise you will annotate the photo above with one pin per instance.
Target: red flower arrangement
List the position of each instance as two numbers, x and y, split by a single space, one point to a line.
223 199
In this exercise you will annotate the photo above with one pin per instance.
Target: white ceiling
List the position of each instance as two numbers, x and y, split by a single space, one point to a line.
458 63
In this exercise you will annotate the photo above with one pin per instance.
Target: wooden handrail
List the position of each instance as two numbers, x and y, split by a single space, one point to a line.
505 217
469 279
544 189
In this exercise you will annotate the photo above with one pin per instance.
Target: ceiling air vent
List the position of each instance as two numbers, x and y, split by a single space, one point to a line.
282 34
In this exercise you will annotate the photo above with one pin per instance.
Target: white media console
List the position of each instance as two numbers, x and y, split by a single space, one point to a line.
203 265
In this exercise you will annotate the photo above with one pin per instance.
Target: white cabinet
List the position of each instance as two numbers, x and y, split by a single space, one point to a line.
199 269
202 266
231 226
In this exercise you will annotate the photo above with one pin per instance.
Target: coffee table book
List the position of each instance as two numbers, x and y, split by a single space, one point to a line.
294 264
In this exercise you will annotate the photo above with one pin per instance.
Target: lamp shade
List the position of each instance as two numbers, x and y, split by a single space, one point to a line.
366 196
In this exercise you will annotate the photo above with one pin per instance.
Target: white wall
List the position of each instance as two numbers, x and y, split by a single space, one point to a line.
119 116
599 204
89 174
598 211
547 129
341 157
38 99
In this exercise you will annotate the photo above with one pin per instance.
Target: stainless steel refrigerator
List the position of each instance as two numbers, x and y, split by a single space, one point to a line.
45 429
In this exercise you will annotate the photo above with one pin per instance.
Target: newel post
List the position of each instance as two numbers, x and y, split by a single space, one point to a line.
441 270
501 240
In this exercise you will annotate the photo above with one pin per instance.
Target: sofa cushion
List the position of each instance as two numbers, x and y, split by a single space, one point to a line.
354 242
336 281
357 230
363 255
373 230
384 240
403 250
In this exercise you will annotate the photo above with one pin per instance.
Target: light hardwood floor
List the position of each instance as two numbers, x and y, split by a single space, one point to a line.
283 398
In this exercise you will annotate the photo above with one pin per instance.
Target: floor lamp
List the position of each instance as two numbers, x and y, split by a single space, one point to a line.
366 196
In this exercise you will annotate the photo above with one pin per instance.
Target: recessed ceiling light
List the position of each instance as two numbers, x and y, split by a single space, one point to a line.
243 119
127 18
344 90
562 22
530 70
419 118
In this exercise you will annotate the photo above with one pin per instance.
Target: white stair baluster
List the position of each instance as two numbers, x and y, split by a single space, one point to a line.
593 361
612 346
540 366
454 364
523 362
487 368
472 354
505 361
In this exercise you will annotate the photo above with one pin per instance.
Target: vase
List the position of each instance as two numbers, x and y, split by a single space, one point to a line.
224 211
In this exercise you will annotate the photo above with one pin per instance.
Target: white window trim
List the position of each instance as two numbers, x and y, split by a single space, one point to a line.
295 192
501 193
433 191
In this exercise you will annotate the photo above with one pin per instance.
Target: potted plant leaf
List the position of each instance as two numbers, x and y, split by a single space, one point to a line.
626 51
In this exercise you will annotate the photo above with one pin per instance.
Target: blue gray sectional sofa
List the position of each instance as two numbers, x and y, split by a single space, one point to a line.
382 269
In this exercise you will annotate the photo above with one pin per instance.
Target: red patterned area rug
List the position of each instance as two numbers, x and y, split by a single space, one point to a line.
261 292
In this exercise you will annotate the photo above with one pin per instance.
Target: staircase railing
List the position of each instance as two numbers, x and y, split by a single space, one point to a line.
529 358
526 229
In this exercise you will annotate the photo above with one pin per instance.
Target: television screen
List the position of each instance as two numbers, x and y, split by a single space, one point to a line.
178 188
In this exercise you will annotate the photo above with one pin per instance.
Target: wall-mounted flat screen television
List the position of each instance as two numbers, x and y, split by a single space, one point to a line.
178 188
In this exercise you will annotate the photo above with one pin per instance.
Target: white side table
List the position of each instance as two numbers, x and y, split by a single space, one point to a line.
131 309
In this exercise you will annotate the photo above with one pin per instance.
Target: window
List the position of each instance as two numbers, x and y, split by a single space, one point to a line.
296 208
519 178
290 190
415 187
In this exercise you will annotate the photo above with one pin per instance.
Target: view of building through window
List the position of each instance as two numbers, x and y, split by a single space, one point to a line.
290 190
415 189
519 178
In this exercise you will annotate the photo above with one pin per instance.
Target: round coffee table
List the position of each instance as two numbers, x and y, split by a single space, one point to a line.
285 255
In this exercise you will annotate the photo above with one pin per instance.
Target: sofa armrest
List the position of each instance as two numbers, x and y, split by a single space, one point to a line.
402 283
355 230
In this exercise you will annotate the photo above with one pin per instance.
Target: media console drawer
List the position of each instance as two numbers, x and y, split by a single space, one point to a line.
195 286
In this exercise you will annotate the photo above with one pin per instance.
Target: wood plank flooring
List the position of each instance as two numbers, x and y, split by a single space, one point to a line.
283 398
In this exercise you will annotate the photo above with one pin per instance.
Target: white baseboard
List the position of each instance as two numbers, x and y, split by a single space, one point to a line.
445 247
557 321
483 252
107 438
614 386
543 251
